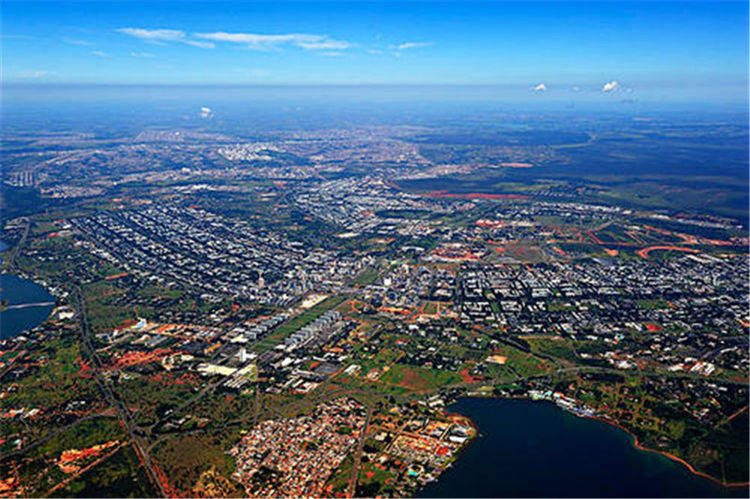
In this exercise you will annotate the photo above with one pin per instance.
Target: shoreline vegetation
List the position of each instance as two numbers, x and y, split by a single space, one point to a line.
641 447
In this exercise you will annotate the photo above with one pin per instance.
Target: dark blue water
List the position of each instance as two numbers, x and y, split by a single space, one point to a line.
530 448
17 290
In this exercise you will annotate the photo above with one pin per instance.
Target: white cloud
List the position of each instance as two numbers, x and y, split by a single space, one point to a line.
273 42
99 53
164 35
77 42
203 45
206 113
144 55
331 54
154 34
612 86
575 88
254 38
254 41
540 88
410 45
31 74
325 45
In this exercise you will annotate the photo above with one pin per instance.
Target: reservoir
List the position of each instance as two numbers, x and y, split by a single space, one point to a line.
22 298
530 448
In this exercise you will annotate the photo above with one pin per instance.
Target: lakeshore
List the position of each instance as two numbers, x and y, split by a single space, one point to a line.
530 448
26 304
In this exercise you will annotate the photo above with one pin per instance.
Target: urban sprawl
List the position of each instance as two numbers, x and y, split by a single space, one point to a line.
293 317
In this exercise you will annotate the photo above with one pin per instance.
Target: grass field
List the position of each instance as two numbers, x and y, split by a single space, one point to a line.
184 458
295 323
559 348
418 378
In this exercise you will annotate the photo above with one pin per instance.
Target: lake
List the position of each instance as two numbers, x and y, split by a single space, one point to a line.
530 448
19 291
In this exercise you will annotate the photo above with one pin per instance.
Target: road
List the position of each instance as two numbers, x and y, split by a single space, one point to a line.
352 488
47 437
11 259
29 305
123 412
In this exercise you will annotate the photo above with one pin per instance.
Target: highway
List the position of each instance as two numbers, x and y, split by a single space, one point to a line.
123 412
352 488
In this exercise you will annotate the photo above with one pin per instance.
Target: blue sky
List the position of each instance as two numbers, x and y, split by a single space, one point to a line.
683 47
